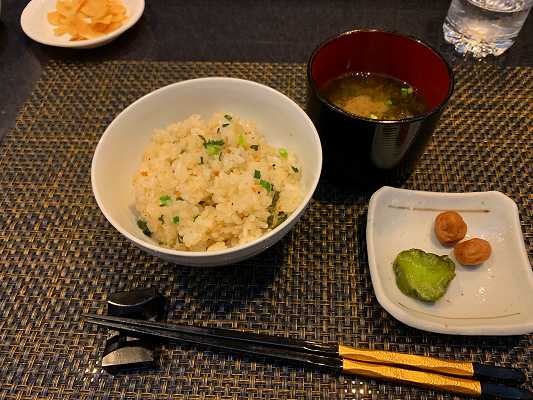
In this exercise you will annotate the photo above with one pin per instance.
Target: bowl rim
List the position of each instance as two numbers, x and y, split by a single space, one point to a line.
80 44
417 117
198 254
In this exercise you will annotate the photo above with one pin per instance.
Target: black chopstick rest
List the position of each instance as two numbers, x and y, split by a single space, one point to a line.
139 303
124 353
484 372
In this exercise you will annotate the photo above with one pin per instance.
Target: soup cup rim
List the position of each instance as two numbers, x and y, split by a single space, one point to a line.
417 117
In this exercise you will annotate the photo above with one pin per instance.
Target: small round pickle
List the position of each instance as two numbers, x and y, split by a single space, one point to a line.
472 252
449 228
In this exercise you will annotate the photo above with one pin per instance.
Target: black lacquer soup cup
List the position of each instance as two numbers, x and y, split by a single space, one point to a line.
365 152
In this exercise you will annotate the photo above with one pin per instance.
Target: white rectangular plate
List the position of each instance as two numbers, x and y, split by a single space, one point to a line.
494 298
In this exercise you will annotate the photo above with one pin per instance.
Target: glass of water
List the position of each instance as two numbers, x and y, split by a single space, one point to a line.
484 27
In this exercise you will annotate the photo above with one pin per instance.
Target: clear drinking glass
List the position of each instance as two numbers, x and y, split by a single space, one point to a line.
484 27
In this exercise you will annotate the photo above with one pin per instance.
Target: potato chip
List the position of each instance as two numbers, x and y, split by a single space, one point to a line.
83 28
87 19
100 28
113 26
69 7
117 8
55 18
77 5
118 18
71 30
105 20
95 8
60 31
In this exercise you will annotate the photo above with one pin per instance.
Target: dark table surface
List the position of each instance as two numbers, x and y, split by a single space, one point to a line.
227 30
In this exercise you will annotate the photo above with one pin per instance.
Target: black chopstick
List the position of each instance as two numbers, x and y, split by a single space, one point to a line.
146 329
323 349
462 369
335 364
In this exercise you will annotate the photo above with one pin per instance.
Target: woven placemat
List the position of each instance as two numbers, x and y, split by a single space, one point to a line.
59 257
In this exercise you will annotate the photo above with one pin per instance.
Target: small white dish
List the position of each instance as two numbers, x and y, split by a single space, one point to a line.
119 152
494 298
34 23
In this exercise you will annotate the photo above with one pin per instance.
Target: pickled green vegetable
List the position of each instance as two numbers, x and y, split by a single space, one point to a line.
422 275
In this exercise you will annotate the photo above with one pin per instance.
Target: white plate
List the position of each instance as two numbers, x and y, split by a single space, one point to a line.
494 298
34 23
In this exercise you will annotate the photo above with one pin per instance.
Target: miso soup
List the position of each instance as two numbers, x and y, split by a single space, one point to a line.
374 96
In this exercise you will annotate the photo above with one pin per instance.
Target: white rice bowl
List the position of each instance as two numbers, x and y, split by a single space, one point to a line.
120 151
206 185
